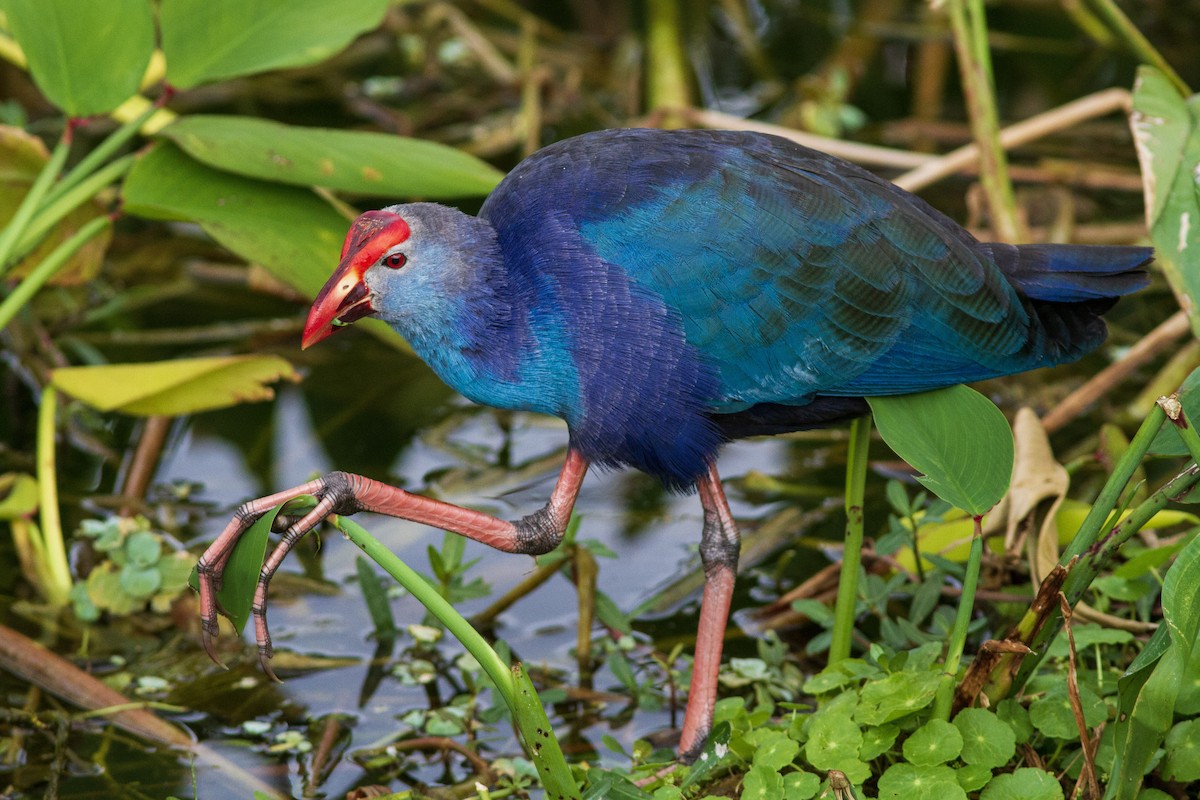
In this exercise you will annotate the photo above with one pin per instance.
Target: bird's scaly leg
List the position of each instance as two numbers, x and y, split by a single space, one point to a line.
719 553
346 493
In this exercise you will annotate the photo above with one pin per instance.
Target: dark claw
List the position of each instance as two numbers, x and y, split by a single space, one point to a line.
264 660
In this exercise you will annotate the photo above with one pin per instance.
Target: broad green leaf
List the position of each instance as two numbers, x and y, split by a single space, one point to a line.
182 386
775 750
140 582
877 741
987 741
351 161
896 696
935 742
973 777
208 40
22 157
1183 752
18 495
87 57
1026 783
290 231
833 743
1052 715
144 548
762 783
1166 131
800 786
956 438
910 782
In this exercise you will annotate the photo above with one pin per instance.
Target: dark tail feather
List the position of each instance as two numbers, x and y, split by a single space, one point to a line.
1073 273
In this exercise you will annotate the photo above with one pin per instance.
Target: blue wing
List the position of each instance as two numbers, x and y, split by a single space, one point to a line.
795 274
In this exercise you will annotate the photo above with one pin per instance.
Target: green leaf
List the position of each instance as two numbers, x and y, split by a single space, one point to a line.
183 386
956 438
800 786
140 582
1024 784
935 742
909 782
877 741
540 741
351 161
291 232
375 596
1183 752
987 741
208 40
973 777
896 696
87 57
775 750
833 743
240 578
18 495
762 783
1053 716
1166 132
143 548
1151 685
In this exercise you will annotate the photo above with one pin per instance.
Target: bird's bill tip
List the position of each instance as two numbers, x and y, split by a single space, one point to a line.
342 300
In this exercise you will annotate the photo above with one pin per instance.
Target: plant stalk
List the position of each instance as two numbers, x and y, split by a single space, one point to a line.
513 685
962 620
57 589
667 88
12 233
969 24
1123 28
55 209
847 596
46 269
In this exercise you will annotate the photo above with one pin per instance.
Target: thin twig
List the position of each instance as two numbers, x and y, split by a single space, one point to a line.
1088 775
1150 345
851 151
1036 127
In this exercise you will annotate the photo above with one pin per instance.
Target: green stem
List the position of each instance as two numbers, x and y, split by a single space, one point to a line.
57 589
1133 39
667 86
1110 495
962 620
969 24
46 269
105 150
847 596
428 596
1099 557
63 203
512 683
15 229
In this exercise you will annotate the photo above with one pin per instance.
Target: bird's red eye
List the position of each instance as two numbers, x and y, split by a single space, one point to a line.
395 260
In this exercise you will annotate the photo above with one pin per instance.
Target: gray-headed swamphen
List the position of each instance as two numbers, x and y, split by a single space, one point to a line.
665 292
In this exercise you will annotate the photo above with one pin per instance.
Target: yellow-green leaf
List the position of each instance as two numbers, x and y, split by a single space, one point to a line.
18 495
183 386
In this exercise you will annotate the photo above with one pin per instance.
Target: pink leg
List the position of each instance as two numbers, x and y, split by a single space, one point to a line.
719 552
346 493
